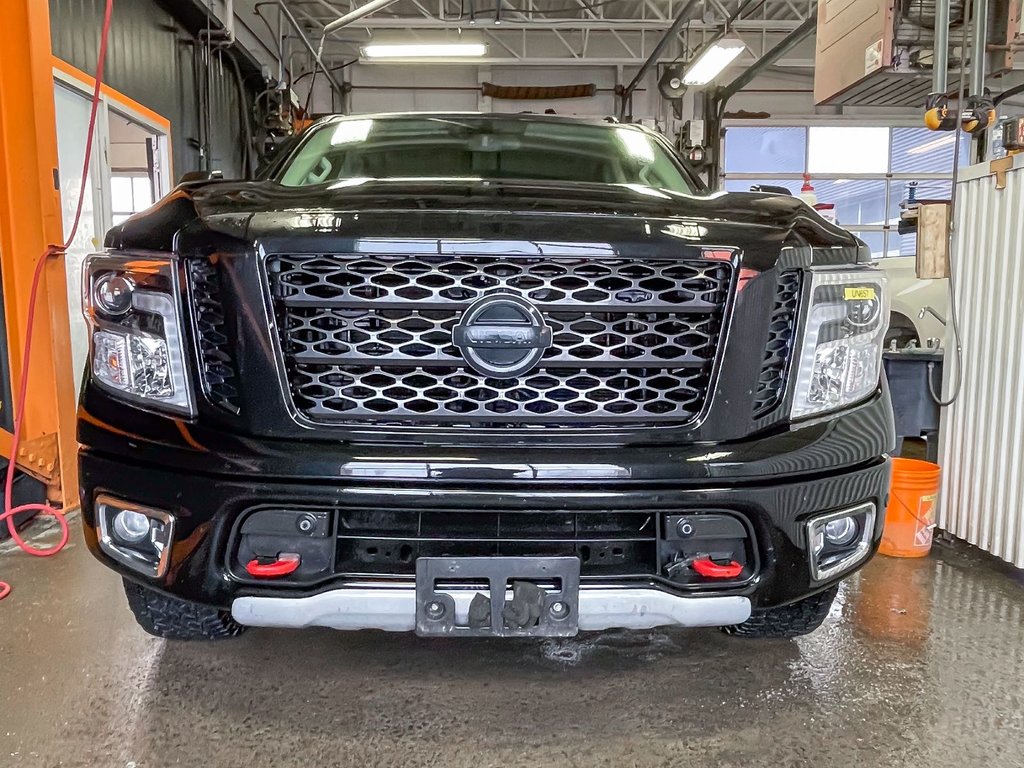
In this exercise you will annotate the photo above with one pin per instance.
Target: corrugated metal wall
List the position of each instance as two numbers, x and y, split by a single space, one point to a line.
982 448
152 59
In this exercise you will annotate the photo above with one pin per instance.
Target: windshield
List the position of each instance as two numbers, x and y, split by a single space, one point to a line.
481 148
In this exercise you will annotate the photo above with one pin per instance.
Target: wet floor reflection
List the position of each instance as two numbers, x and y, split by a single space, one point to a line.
921 663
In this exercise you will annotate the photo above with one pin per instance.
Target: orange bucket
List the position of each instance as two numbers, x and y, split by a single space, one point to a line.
910 517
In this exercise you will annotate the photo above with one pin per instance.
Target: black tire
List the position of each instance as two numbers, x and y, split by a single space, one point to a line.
902 331
168 617
792 620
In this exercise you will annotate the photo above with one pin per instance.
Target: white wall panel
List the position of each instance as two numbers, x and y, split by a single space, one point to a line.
418 88
412 100
982 445
413 75
453 87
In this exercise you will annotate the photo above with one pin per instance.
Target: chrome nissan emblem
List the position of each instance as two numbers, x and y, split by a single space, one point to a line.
502 335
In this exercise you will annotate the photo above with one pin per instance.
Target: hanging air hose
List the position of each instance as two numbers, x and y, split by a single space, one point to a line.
958 380
52 251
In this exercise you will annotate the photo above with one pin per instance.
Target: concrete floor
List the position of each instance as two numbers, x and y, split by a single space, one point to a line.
921 664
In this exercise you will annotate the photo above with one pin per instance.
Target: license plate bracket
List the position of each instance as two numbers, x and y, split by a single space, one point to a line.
537 596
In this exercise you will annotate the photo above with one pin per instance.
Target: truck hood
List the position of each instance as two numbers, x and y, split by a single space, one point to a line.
518 217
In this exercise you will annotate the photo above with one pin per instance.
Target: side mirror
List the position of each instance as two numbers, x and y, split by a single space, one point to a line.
193 176
771 189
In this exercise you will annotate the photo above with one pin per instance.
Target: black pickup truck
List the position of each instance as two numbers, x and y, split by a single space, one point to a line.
482 375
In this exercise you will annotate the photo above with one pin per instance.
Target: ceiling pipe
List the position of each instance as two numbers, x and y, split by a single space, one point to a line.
716 99
979 37
225 36
356 15
784 46
335 85
670 34
229 20
940 52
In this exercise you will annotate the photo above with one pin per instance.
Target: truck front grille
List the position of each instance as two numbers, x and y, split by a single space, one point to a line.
374 541
369 339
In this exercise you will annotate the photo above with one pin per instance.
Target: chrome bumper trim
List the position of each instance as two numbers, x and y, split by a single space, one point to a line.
394 609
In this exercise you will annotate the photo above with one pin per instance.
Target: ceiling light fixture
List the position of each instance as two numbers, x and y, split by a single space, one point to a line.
713 60
424 50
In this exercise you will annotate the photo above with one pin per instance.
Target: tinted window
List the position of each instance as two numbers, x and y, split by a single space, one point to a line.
479 147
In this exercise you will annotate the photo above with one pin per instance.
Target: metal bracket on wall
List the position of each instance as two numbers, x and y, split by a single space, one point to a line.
1000 168
39 458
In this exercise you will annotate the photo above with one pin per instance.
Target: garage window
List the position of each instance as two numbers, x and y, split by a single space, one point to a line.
866 171
129 194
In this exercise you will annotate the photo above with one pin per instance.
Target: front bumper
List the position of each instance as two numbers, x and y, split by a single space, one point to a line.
393 609
816 468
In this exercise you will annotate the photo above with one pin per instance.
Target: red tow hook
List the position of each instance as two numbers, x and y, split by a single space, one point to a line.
709 569
285 563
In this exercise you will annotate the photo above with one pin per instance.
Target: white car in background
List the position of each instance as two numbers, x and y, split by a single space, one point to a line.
919 307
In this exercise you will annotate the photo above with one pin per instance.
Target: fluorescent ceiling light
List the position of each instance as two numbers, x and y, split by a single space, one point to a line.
424 50
710 64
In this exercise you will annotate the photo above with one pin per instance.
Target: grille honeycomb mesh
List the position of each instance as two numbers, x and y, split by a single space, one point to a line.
218 373
771 383
369 339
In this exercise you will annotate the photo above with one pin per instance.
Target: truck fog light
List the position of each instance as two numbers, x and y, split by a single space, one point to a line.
136 536
818 542
838 541
841 531
131 527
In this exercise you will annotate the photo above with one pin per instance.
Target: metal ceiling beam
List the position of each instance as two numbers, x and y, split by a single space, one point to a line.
353 16
715 99
621 25
770 57
656 9
568 61
335 85
670 35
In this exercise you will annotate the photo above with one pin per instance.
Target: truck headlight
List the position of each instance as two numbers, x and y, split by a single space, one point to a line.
841 354
137 352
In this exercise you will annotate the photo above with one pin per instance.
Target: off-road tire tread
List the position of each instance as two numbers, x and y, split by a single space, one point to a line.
173 619
787 621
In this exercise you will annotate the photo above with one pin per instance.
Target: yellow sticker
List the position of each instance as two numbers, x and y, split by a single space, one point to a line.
859 294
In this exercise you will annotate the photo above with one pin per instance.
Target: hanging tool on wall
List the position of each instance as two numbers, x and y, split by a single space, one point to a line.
978 114
937 114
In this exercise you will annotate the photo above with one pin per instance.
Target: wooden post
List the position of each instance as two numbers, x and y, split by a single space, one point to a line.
933 221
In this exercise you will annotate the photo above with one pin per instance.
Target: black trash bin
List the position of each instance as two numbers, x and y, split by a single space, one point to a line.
917 413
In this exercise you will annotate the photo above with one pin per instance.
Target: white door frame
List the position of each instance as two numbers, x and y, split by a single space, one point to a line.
110 100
